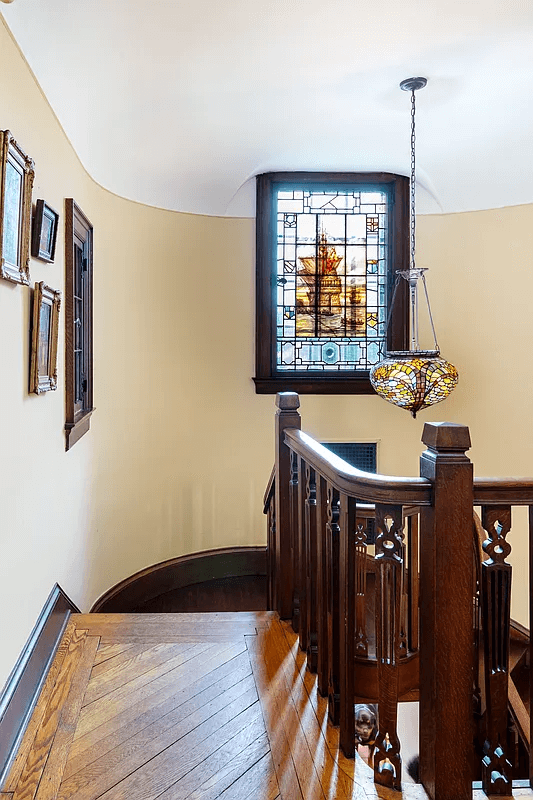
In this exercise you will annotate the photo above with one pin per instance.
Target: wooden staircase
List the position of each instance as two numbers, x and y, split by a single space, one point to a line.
441 626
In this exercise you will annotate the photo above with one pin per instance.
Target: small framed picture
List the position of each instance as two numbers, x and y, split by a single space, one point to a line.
44 233
43 367
16 182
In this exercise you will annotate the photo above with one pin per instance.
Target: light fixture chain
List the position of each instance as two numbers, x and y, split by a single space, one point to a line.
413 180
413 379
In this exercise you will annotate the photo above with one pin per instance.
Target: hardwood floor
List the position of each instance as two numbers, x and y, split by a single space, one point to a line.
175 706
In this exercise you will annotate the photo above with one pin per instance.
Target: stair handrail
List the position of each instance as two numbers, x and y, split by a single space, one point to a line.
503 491
366 486
269 491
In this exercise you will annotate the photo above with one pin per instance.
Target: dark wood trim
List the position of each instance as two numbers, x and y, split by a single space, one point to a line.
287 416
501 491
78 232
24 684
519 632
398 334
530 537
446 580
264 286
269 491
75 430
267 379
311 384
226 562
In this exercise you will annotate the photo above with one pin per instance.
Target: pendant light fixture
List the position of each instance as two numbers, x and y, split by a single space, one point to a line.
413 379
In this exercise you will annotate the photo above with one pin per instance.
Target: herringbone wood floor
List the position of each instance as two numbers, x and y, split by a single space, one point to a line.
175 706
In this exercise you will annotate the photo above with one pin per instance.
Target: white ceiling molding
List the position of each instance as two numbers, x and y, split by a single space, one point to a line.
179 104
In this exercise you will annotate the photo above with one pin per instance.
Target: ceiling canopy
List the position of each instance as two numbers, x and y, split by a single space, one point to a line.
179 104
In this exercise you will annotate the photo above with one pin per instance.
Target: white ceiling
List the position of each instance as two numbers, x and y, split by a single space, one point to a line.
179 104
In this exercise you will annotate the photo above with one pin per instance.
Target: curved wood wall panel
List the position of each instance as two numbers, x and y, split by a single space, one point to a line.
177 573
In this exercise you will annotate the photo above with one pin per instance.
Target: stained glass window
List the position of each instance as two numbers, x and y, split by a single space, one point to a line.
331 279
327 249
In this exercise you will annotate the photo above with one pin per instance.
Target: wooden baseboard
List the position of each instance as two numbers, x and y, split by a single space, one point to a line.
176 573
24 684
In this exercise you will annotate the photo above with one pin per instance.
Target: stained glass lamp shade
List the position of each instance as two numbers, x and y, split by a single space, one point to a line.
414 379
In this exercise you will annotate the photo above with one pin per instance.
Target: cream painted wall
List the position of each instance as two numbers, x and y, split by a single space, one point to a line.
180 446
44 493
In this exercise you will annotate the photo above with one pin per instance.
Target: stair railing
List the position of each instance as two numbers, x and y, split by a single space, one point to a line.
319 509
496 498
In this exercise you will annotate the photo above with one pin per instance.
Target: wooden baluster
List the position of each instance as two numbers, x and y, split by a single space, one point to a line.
412 596
333 609
478 665
404 603
361 638
530 641
303 627
477 542
389 578
311 547
287 416
295 545
271 550
446 580
496 626
322 585
347 624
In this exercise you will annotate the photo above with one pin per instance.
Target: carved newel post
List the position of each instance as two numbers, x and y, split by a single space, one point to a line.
287 416
446 626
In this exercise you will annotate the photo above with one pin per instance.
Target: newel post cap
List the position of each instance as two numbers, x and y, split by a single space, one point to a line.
287 401
445 436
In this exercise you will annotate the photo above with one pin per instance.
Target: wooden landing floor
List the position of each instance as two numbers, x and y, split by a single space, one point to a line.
175 706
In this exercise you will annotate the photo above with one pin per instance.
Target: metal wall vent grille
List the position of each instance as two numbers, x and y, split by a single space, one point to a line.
362 455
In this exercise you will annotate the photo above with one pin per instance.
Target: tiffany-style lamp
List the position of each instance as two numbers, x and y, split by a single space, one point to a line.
413 379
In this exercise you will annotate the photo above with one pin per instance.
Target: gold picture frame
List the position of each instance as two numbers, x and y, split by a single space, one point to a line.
16 183
45 329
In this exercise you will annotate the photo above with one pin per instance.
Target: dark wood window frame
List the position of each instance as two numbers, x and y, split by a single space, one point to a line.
78 322
268 380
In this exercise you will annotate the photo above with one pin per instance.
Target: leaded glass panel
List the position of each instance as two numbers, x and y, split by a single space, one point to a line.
331 276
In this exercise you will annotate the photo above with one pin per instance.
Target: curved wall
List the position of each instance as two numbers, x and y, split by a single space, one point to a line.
180 446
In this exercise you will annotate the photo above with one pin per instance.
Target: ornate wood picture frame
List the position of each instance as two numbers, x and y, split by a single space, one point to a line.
45 329
16 182
44 232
